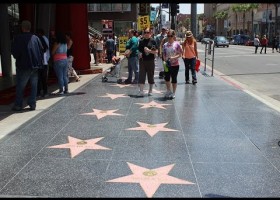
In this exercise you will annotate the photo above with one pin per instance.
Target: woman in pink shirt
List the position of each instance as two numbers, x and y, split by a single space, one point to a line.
172 51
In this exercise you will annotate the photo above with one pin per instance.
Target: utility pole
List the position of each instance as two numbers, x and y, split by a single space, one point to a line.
266 23
193 18
160 22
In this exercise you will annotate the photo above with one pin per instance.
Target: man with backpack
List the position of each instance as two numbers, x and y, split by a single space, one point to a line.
44 71
28 52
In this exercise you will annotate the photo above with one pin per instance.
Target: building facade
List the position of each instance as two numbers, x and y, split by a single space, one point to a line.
263 20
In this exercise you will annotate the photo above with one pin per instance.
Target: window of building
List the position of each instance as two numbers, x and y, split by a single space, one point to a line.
117 7
106 7
109 7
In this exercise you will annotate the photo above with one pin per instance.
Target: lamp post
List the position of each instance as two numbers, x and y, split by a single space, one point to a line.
266 17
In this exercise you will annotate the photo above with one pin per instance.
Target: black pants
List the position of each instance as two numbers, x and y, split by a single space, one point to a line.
43 80
110 54
263 46
256 48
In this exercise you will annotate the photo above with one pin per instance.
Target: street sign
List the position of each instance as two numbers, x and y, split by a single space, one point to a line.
122 43
143 22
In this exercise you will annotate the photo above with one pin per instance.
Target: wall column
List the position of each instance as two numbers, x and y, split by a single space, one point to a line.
5 42
79 28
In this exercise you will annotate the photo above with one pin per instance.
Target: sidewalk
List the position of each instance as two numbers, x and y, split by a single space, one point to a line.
8 117
212 140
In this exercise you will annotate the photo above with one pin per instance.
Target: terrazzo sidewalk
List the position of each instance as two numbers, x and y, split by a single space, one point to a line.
212 140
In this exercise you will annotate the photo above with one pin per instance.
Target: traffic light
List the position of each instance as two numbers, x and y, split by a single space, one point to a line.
177 8
174 9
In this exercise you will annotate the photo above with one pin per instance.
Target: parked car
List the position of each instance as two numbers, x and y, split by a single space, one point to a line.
250 43
205 40
240 39
221 41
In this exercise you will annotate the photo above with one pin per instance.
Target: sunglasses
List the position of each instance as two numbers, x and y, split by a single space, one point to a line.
169 35
146 32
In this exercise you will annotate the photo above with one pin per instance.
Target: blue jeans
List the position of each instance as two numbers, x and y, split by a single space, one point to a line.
190 65
22 77
133 67
61 71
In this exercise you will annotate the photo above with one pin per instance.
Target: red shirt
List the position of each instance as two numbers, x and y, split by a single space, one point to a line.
264 41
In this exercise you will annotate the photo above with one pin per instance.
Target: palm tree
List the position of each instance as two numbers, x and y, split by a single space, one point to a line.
221 15
236 9
244 8
276 18
252 7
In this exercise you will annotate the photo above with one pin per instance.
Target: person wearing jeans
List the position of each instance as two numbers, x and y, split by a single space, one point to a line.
189 56
132 56
59 53
22 77
28 52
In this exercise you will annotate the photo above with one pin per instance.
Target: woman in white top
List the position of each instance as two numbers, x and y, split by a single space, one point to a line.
99 50
256 43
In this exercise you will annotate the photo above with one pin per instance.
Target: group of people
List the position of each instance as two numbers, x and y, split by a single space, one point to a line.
99 45
142 53
33 54
263 43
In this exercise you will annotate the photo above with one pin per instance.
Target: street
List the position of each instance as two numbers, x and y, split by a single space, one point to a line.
256 72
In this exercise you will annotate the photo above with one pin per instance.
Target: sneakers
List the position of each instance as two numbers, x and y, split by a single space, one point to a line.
134 82
171 96
167 94
127 82
32 107
140 94
194 82
187 82
16 108
60 93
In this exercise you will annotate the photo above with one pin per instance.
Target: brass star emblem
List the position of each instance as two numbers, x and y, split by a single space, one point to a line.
151 129
114 96
102 113
77 146
153 104
150 179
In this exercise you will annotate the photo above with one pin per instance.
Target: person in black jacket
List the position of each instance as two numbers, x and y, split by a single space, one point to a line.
148 50
44 71
28 52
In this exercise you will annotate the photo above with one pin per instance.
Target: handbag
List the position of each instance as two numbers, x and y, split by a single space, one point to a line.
166 65
197 65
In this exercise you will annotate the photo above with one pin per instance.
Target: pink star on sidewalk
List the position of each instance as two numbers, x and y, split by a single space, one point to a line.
151 129
77 146
122 85
153 104
114 96
150 179
102 113
155 91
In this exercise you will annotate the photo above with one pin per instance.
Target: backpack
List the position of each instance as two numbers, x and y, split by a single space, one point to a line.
44 44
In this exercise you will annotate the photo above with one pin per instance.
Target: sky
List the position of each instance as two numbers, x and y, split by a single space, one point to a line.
185 8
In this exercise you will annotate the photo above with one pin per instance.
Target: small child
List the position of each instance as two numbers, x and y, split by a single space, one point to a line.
116 60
